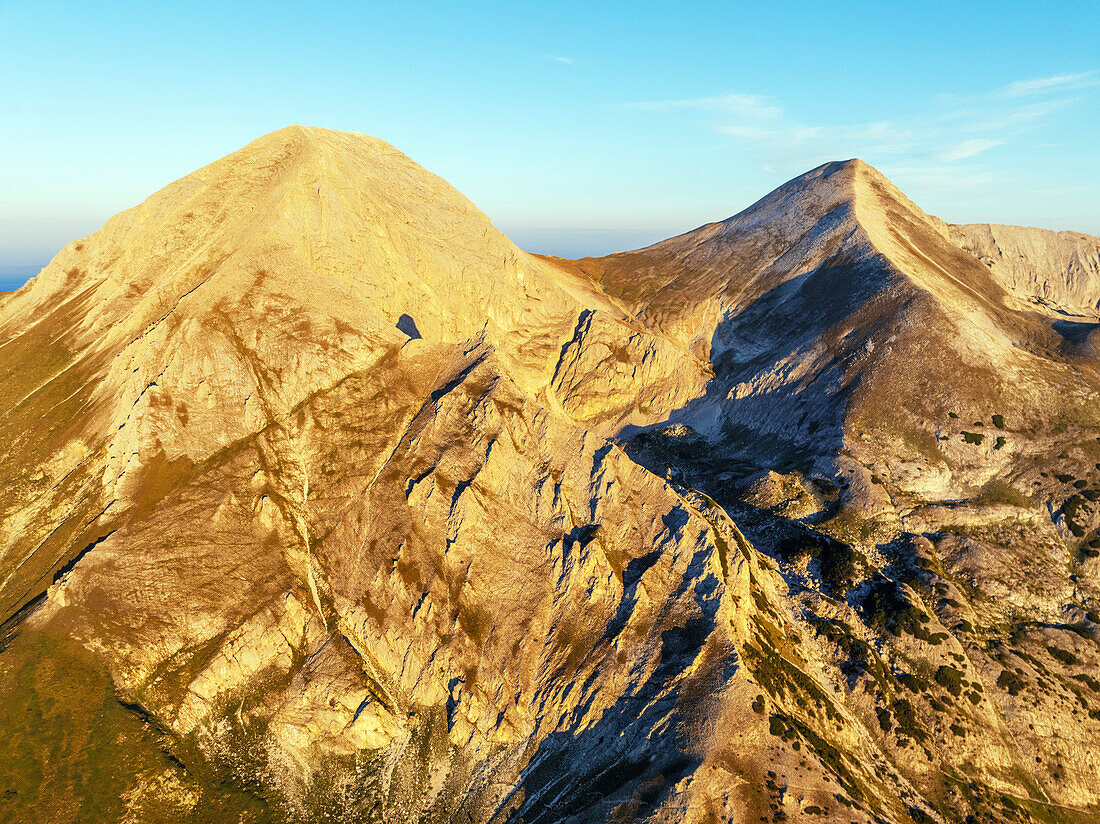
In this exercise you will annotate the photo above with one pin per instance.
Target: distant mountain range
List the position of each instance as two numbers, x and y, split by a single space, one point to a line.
320 500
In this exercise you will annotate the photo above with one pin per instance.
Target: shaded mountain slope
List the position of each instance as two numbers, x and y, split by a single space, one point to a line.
843 325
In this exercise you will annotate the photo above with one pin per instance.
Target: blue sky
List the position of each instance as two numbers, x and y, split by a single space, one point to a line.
580 128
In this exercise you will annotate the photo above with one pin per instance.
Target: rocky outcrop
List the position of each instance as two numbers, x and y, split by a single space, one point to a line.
1055 272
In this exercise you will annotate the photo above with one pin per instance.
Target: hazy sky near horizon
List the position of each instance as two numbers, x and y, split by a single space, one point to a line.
579 128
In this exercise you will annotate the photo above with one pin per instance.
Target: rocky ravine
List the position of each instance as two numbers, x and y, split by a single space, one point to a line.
324 502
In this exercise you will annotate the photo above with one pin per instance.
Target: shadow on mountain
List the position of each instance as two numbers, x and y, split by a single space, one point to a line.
633 757
407 325
1078 337
785 368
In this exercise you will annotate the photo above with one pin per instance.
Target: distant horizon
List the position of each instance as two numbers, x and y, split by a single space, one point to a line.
14 277
559 241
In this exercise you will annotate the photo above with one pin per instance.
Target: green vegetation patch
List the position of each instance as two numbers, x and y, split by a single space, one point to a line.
1088 680
975 438
950 679
781 678
997 491
886 607
860 656
1070 511
1010 682
913 683
1063 655
908 723
71 752
836 560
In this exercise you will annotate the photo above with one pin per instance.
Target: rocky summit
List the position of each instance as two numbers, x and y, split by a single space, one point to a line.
321 501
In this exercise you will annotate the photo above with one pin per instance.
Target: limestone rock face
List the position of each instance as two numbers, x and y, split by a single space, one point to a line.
321 501
1058 272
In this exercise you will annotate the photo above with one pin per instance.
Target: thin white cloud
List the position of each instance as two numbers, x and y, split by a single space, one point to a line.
966 149
952 128
749 106
789 147
1055 83
883 137
567 60
984 116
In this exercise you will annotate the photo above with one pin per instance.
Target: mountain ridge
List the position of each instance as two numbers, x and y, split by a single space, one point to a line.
344 508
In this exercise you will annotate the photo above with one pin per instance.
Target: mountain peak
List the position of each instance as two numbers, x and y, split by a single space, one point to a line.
833 172
311 192
298 136
315 152
834 182
836 198
839 220
851 166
